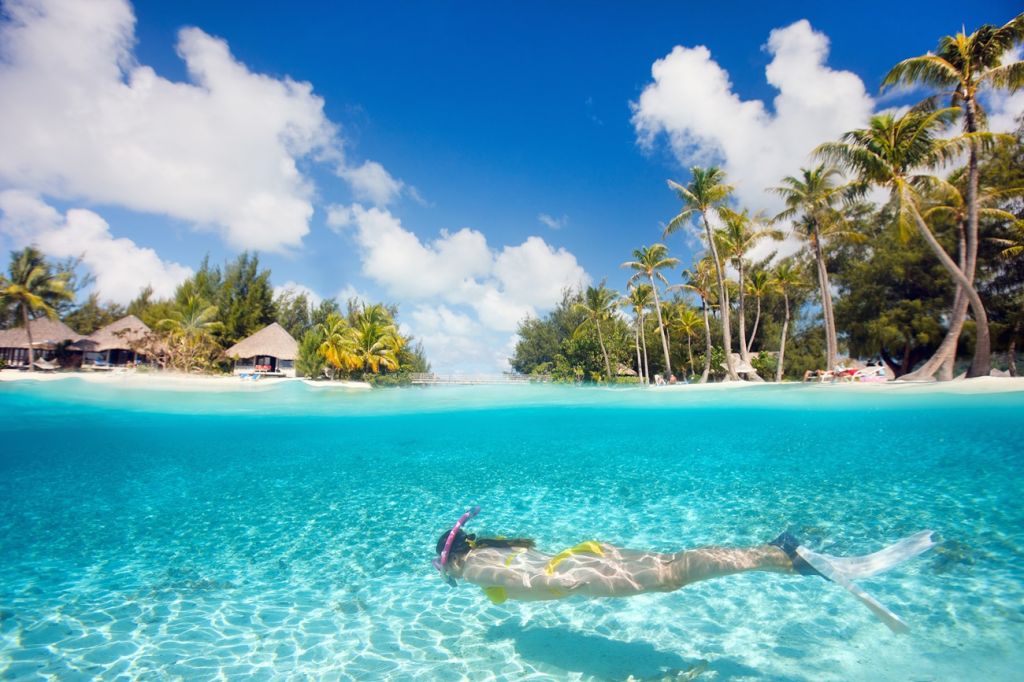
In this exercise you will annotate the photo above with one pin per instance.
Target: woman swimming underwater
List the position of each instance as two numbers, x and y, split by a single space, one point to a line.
514 569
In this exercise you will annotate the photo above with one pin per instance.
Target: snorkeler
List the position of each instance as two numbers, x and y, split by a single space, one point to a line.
511 568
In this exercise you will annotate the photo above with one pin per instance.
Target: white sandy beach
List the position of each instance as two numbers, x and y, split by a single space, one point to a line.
205 383
165 381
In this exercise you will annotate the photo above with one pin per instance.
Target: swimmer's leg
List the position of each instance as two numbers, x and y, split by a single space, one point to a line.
693 565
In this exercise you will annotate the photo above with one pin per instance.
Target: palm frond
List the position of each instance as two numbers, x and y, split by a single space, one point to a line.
929 69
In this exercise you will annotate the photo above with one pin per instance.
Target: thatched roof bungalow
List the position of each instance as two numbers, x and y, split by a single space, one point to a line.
116 344
47 334
271 350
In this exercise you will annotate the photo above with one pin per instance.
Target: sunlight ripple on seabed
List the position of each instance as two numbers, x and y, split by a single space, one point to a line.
283 533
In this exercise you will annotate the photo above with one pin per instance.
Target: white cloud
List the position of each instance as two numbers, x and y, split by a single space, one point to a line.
294 288
1004 109
692 102
409 268
458 279
348 292
371 182
534 274
552 222
81 119
456 343
121 267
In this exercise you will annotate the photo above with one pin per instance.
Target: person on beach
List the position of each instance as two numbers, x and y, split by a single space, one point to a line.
512 568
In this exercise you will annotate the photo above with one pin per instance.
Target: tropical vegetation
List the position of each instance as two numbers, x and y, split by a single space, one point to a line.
214 309
933 276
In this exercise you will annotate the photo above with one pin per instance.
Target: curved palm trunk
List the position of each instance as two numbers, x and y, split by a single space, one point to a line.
600 340
723 303
707 342
959 315
28 332
757 321
782 344
742 321
970 293
831 344
689 354
643 343
636 341
981 365
661 326
943 359
1011 350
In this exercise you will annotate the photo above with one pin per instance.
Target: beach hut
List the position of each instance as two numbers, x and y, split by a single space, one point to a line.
115 345
47 335
270 351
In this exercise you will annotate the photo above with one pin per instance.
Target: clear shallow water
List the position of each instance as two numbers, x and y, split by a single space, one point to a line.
282 531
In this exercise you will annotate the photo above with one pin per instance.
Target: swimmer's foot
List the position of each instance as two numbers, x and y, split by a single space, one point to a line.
788 544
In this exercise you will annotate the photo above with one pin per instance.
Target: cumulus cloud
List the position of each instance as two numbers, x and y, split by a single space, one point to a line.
121 267
396 258
458 281
691 101
1005 109
295 289
372 183
82 119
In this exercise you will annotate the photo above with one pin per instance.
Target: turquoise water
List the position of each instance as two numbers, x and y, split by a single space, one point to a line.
282 531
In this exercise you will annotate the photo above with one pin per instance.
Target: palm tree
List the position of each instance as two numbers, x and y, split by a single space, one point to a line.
373 346
337 344
192 325
32 287
811 199
739 233
960 67
758 286
698 281
708 192
785 279
649 261
950 205
893 153
687 322
639 300
368 341
598 306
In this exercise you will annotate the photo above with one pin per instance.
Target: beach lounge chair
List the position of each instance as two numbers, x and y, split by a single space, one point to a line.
46 365
870 374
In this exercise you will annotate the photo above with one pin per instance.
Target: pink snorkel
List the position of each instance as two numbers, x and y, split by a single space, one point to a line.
442 563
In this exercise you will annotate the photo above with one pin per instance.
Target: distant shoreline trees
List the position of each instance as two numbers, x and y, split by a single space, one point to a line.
212 310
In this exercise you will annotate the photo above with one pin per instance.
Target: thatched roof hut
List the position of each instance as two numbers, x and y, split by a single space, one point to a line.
273 341
46 333
122 334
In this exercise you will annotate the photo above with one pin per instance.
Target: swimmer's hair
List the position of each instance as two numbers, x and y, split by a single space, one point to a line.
462 543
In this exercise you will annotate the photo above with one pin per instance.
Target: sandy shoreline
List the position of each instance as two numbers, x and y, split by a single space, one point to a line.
190 382
166 380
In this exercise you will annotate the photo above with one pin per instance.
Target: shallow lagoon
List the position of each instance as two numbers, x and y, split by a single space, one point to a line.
282 531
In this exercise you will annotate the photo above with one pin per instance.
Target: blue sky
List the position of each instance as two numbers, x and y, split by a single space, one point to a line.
465 161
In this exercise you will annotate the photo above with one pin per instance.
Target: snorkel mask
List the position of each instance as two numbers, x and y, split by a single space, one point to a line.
441 563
